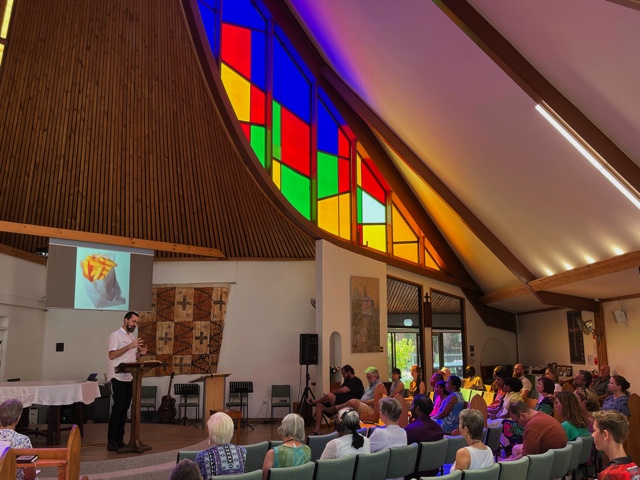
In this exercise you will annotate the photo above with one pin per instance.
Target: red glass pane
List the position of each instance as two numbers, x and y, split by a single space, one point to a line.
246 128
344 174
257 106
295 142
371 185
236 48
344 149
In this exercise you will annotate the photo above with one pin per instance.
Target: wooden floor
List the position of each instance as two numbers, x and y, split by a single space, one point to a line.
160 437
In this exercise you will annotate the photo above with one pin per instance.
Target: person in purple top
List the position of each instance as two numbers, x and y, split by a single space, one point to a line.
423 428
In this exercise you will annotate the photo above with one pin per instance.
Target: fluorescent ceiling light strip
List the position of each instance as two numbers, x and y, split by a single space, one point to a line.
544 111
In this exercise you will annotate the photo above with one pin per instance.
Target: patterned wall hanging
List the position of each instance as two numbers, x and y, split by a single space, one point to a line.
184 328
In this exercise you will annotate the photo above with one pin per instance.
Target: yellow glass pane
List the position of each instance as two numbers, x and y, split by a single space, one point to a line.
429 261
374 236
328 215
239 91
402 232
275 173
408 251
5 20
1 52
359 169
345 215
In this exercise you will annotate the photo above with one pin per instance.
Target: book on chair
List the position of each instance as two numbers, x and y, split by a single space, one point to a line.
26 459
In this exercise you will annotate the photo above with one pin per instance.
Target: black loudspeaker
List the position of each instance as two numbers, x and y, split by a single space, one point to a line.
308 349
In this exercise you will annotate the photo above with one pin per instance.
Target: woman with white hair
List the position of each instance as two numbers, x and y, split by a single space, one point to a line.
10 413
222 458
293 451
476 455
349 442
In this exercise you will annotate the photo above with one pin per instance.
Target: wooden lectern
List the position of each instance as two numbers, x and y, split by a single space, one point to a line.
214 393
136 369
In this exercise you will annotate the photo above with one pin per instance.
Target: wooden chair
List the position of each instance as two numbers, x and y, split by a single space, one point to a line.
532 402
378 393
632 445
478 403
67 460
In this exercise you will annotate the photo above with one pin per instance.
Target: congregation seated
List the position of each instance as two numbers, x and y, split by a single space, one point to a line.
222 458
349 441
448 417
498 383
545 388
397 387
367 405
417 386
512 387
575 421
391 435
472 381
618 400
589 402
610 430
186 470
494 386
440 394
293 451
552 375
10 413
476 455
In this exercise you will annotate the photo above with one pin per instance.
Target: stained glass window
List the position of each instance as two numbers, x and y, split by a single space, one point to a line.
299 136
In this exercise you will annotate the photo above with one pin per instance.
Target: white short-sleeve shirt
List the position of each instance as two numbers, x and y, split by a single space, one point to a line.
118 339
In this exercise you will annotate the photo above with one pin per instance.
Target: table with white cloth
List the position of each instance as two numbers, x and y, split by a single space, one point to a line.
54 394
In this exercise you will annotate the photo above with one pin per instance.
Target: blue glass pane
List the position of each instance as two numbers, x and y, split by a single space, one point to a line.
330 107
327 131
259 59
290 87
372 210
243 13
211 27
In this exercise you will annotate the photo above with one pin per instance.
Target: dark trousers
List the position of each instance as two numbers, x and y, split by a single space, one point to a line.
122 393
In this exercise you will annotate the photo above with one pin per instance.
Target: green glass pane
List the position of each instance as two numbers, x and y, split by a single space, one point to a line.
297 189
275 128
258 143
327 175
359 204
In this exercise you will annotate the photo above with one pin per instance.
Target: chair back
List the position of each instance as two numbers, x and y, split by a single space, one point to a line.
276 443
466 394
489 473
575 453
488 396
281 391
454 444
493 439
516 469
540 466
402 460
301 472
451 476
255 456
585 453
318 442
336 468
148 395
188 454
431 455
256 475
372 466
7 464
561 460
478 403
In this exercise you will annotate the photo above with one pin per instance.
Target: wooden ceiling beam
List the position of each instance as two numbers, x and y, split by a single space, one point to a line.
39 231
569 301
537 86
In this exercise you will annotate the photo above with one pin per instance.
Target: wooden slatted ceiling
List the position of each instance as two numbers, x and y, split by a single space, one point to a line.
402 297
106 126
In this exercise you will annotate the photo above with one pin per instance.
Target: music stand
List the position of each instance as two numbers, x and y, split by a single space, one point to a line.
241 389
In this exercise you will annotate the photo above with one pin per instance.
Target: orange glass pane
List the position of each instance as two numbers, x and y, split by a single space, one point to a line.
408 251
402 232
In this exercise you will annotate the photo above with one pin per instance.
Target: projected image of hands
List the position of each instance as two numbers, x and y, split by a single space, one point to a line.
97 285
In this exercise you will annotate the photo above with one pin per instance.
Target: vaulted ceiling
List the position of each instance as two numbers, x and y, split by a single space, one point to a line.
450 88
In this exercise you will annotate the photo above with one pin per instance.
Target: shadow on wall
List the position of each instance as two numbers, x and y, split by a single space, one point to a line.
335 355
494 352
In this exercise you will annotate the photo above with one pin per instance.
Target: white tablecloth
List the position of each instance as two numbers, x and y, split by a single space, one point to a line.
55 392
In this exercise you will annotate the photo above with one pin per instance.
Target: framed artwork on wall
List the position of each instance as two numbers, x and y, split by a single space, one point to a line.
576 338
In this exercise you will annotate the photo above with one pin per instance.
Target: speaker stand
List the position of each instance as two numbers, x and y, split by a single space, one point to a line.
306 395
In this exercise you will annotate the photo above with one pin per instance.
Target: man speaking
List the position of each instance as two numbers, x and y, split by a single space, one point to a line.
123 347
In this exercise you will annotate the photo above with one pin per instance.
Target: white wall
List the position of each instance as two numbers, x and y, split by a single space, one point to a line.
22 287
268 308
335 268
623 340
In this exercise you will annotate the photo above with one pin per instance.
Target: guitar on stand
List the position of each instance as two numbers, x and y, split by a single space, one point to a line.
167 408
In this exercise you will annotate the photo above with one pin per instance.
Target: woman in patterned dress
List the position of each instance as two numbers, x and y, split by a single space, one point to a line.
10 413
222 458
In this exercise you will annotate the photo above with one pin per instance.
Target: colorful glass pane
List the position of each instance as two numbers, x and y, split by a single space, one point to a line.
329 215
290 87
370 183
236 48
297 189
344 175
402 231
327 175
345 215
276 136
275 173
243 12
257 105
239 92
258 143
372 210
408 251
327 131
344 145
211 27
375 236
246 128
429 261
259 59
296 142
